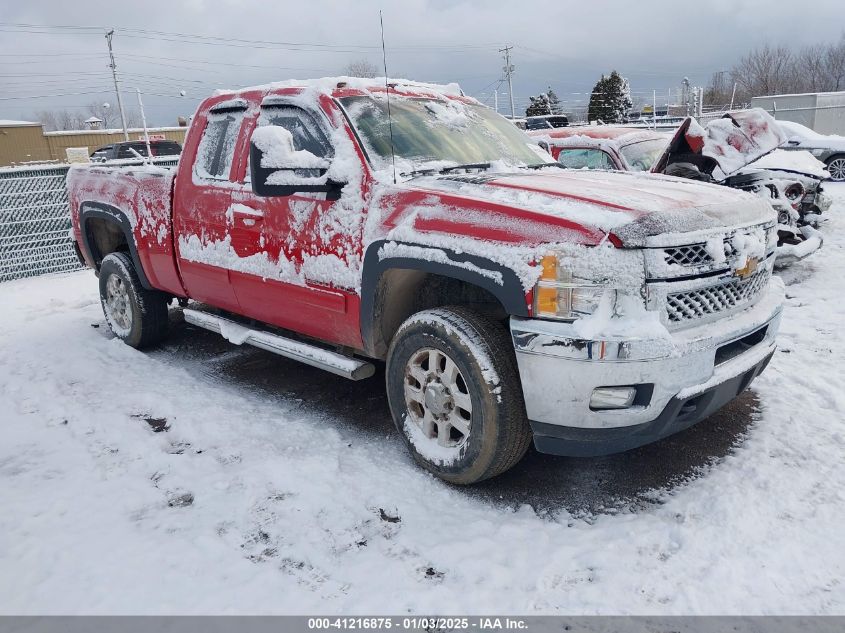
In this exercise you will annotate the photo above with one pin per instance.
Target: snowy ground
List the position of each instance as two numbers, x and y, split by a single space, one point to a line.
270 487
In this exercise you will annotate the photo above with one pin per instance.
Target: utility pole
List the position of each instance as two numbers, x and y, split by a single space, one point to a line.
116 88
508 72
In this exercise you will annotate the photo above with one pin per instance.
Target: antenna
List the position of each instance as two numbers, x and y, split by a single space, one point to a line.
387 90
144 123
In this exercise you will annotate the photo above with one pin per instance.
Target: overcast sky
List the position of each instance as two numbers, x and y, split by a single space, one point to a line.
566 45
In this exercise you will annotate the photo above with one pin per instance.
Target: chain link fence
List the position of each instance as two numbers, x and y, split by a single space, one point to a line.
35 221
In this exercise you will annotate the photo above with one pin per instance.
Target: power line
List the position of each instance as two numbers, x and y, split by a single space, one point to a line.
193 38
65 94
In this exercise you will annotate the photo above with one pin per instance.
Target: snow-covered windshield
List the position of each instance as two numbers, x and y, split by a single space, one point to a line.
436 132
642 154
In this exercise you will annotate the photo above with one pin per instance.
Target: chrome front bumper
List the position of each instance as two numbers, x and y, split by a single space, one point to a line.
559 370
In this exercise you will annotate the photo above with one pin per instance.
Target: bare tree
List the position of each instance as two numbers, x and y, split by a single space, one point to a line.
811 68
765 71
768 70
361 68
835 65
69 120
719 90
60 120
108 115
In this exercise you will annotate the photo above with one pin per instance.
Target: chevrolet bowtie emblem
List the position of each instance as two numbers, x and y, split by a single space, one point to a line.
750 266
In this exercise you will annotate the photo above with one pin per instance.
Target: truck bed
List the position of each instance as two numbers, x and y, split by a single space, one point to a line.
140 196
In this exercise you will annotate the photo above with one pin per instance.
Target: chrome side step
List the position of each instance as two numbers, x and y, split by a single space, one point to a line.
345 366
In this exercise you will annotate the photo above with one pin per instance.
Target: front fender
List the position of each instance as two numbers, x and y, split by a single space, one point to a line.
503 283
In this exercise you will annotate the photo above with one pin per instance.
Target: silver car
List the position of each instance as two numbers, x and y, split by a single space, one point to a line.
828 149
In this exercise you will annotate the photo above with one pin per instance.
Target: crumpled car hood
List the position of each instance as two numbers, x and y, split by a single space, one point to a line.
724 145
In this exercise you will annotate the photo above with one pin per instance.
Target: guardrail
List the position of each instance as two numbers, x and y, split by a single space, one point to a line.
35 219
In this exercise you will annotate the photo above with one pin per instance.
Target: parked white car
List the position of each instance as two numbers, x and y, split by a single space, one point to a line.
827 148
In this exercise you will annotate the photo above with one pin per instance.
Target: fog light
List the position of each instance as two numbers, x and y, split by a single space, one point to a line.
612 397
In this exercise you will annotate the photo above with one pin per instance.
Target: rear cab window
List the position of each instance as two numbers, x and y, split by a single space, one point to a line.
128 151
585 159
216 149
104 153
165 148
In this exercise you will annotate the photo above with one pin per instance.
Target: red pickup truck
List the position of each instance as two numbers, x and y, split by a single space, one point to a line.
343 223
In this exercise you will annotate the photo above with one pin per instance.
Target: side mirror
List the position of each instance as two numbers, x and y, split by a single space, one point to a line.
278 169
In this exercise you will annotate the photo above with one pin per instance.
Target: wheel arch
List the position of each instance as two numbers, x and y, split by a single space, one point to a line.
95 215
395 286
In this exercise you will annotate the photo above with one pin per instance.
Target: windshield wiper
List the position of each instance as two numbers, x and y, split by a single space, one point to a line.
541 165
445 170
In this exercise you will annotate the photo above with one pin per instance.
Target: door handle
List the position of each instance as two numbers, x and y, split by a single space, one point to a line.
247 215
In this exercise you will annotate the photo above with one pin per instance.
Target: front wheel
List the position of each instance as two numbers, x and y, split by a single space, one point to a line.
455 394
836 168
136 315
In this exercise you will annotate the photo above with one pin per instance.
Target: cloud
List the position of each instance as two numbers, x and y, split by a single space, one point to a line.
562 44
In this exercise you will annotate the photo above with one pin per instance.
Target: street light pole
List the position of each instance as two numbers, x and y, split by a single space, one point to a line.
116 88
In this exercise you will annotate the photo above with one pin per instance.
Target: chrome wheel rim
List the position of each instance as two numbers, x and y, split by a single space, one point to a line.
836 168
437 398
118 307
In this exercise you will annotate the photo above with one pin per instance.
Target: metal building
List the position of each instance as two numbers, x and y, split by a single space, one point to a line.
823 112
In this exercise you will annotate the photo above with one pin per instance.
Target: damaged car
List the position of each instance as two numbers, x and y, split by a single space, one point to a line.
738 150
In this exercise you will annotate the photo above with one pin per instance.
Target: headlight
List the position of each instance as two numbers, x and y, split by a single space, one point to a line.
560 295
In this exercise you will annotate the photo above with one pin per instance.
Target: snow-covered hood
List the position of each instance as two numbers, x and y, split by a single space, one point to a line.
632 206
795 161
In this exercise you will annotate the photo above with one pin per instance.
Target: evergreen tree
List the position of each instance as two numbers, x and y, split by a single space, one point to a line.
610 100
538 106
554 102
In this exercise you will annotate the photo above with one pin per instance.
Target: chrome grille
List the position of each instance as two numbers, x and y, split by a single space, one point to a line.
689 255
696 255
682 307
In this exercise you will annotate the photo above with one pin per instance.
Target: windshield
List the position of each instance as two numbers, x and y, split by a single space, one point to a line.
642 155
442 132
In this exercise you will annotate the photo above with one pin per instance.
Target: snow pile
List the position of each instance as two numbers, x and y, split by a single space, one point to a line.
715 248
622 315
278 151
450 113
221 253
790 160
328 85
747 244
803 133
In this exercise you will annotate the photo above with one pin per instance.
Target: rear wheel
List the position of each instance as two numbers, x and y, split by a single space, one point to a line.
455 394
836 168
136 315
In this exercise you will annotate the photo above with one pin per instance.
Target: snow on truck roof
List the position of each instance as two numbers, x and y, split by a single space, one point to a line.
330 85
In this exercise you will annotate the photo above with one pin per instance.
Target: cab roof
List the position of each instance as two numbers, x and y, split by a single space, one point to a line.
342 86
